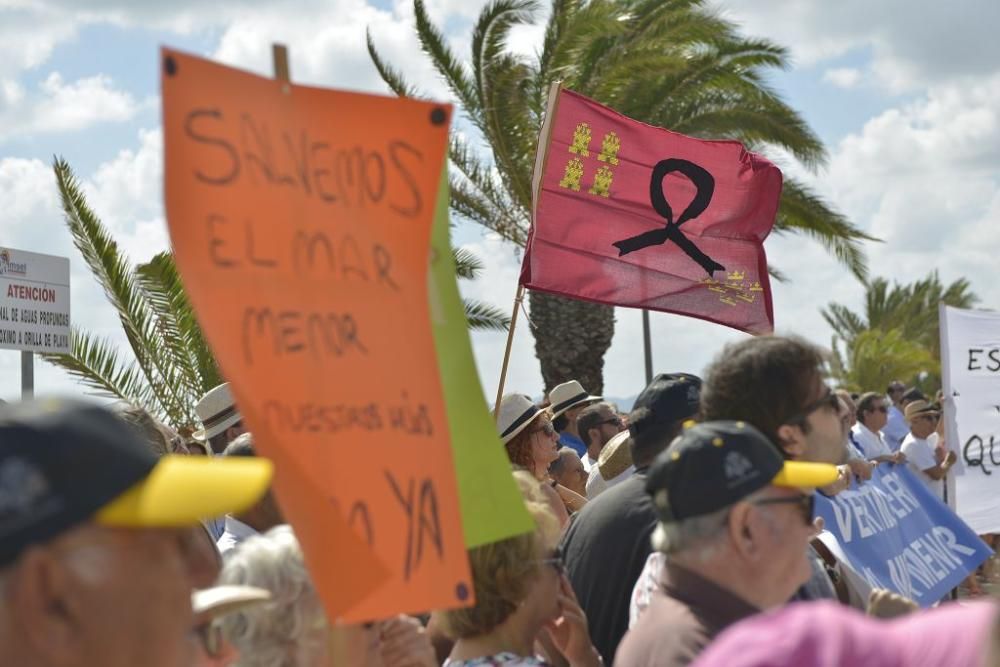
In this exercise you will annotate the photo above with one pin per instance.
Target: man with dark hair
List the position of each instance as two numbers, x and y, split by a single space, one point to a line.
259 517
567 401
895 428
776 384
597 424
608 542
872 415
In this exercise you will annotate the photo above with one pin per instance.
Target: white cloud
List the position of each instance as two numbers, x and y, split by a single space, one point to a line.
843 77
911 42
57 106
29 34
125 193
925 178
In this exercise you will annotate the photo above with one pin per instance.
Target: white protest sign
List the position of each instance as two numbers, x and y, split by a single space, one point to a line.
970 369
34 301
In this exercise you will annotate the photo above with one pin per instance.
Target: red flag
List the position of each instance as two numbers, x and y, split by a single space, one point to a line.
629 214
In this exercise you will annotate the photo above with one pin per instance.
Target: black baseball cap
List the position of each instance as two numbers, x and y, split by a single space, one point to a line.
715 464
64 462
669 398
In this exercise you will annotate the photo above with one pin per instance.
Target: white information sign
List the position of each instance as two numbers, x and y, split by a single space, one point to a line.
970 369
34 301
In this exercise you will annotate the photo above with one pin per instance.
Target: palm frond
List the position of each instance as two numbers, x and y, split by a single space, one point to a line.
484 317
96 363
444 61
392 77
113 272
467 264
806 213
178 323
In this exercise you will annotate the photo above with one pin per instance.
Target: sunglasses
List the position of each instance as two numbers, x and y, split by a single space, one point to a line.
930 418
827 400
555 560
615 421
547 428
882 408
807 504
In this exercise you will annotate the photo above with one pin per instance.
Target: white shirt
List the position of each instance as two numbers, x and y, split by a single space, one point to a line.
596 484
871 442
588 463
920 456
236 532
895 429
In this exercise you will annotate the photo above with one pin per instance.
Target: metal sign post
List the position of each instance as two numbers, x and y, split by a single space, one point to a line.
27 375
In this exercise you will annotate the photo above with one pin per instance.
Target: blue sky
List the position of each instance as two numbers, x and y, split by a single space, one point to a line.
904 94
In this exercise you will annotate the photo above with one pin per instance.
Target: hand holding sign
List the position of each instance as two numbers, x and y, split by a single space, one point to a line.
301 221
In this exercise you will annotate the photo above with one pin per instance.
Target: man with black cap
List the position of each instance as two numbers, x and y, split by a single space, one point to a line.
97 562
607 544
735 519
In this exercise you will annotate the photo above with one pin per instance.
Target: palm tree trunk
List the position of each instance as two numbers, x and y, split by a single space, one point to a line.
571 338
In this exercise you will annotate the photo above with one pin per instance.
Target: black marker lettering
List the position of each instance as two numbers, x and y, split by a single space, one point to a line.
407 506
225 177
215 242
318 173
416 206
972 358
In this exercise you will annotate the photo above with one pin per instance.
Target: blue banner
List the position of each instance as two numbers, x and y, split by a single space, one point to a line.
897 535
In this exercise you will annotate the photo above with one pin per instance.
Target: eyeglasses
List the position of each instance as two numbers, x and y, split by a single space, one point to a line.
930 418
806 503
210 636
556 561
615 421
547 428
827 400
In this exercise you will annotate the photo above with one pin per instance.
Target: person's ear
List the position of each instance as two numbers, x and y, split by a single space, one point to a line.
792 441
46 606
742 534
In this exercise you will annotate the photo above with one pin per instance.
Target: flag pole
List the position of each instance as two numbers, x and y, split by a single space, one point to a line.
506 355
647 345
541 157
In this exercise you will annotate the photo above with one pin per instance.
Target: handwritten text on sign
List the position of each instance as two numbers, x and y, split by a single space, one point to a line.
301 220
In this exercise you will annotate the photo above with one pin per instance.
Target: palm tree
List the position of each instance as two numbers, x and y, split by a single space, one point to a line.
907 311
671 63
171 365
876 357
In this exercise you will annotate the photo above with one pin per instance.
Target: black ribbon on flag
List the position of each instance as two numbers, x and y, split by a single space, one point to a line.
704 182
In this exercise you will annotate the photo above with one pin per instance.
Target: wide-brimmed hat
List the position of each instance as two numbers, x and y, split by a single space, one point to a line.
616 456
916 409
66 462
566 395
217 412
716 464
516 412
221 600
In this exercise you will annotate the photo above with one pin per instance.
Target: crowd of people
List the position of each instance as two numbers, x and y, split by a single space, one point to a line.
681 532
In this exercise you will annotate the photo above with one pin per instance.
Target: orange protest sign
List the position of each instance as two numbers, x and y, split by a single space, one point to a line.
301 219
